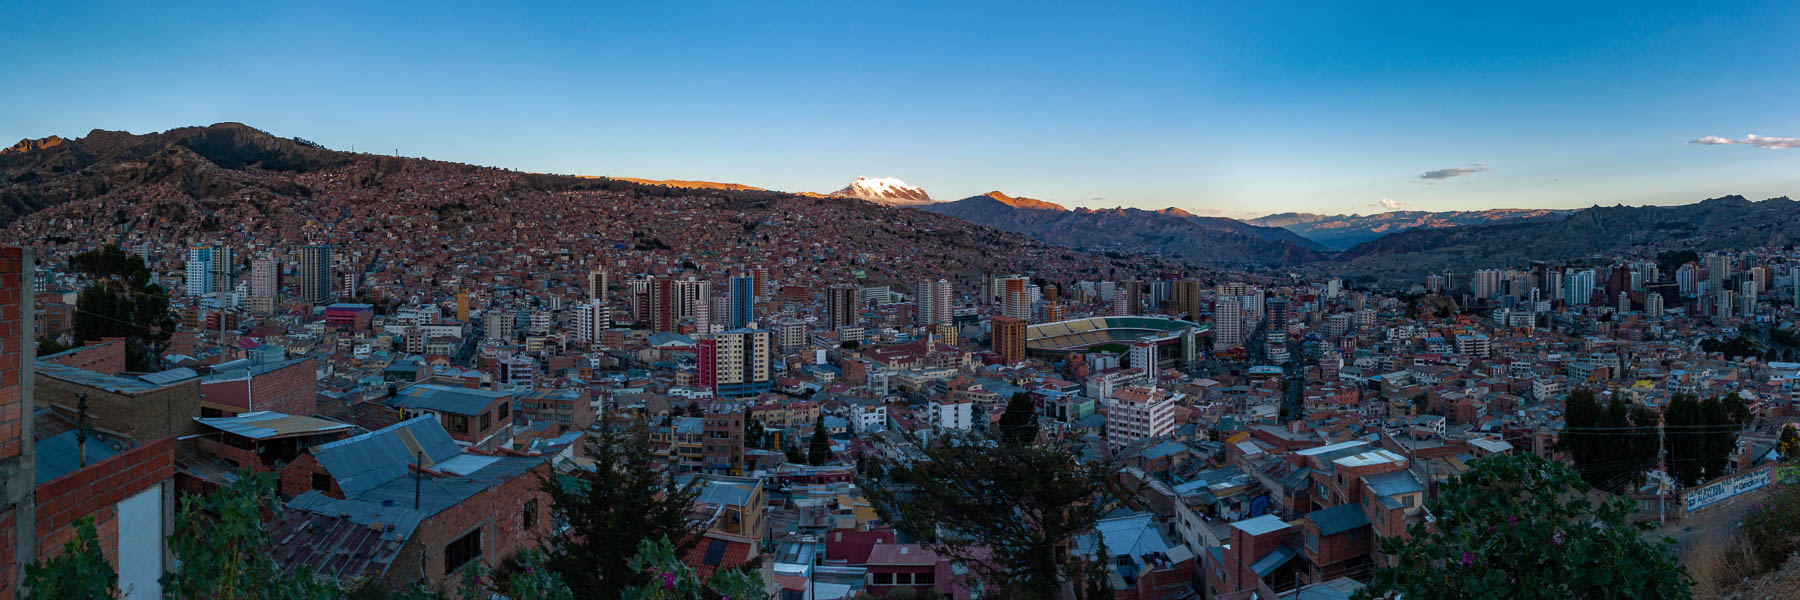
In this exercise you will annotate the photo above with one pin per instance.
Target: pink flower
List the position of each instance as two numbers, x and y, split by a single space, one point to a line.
1468 559
668 580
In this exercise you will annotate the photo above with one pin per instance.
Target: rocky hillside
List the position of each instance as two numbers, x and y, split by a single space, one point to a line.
1338 232
1169 232
232 183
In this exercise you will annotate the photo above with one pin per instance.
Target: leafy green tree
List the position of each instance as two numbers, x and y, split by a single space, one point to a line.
49 346
1005 510
818 450
80 571
1019 424
223 548
1524 527
627 497
794 455
1789 444
669 579
122 302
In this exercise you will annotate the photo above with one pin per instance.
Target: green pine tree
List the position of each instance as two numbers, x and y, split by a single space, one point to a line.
1019 424
626 498
818 450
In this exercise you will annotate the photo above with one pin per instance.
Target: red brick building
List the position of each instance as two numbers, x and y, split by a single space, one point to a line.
435 505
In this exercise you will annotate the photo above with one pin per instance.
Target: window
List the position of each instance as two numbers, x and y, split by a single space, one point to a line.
505 410
531 513
461 551
321 482
924 578
459 424
487 420
883 579
1312 541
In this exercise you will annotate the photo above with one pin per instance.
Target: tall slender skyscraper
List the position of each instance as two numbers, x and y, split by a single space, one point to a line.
840 306
934 302
597 283
265 278
743 297
315 274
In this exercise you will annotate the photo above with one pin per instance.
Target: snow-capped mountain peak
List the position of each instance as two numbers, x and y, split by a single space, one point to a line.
884 190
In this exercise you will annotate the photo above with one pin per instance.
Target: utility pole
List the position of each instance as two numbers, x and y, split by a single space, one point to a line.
81 430
1662 485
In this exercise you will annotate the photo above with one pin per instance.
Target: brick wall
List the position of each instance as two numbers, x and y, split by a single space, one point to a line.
161 413
15 477
10 352
288 390
499 512
297 477
96 491
105 356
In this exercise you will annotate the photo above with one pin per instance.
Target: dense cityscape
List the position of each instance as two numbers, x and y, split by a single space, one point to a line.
409 379
632 302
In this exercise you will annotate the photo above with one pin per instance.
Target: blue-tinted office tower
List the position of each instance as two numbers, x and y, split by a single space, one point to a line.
742 293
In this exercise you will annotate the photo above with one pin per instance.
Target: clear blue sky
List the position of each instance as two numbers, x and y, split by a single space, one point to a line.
1224 108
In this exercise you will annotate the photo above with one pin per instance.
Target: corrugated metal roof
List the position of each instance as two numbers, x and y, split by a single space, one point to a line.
112 383
169 376
267 425
361 462
1338 519
447 399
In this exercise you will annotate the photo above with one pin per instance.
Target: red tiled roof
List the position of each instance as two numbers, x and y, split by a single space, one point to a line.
713 554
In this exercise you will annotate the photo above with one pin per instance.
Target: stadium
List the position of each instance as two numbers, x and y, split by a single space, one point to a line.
1175 339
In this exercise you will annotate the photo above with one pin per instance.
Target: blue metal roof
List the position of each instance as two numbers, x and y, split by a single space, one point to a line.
448 399
1338 519
1273 560
360 463
59 455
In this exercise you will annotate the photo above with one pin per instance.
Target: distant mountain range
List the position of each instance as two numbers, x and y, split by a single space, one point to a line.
1730 222
1168 232
203 174
1337 232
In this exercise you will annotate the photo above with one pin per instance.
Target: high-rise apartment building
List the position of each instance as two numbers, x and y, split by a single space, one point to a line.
738 362
315 274
743 298
597 284
1228 319
664 308
934 302
840 306
265 277
1009 339
591 318
497 325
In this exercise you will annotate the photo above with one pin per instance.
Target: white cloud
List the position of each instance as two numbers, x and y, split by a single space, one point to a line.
1453 172
1770 143
1390 204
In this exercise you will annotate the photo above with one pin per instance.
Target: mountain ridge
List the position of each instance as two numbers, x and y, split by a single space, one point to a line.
1169 232
1342 231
